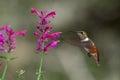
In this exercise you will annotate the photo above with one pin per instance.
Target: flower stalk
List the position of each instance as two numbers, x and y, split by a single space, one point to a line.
39 75
46 40
8 44
5 69
40 67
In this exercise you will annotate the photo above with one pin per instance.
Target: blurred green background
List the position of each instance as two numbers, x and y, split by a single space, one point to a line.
99 18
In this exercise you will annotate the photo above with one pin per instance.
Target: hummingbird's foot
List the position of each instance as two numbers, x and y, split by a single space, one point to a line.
89 55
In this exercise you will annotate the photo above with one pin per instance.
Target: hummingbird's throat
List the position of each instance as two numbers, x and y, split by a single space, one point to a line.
85 39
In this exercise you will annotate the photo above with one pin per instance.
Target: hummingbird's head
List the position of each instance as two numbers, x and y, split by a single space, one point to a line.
82 34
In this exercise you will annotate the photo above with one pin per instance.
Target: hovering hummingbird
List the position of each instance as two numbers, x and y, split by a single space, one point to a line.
88 45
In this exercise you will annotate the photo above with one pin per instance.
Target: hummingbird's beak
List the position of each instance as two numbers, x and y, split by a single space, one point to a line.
73 31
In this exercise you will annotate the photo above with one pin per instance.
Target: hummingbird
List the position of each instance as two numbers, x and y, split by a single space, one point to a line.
88 45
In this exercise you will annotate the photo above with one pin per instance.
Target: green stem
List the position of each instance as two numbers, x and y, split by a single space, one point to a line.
5 70
40 67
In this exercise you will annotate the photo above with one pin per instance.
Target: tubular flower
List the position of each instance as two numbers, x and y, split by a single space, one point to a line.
51 45
39 42
46 40
44 17
1 64
9 39
2 42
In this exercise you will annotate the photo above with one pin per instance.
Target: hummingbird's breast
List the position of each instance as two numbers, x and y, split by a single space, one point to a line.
88 45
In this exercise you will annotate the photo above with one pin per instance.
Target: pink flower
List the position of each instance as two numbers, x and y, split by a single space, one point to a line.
37 34
48 28
10 38
2 42
36 12
3 28
54 35
39 42
46 40
1 64
44 17
52 44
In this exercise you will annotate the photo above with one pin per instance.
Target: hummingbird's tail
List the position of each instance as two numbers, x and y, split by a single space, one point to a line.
97 58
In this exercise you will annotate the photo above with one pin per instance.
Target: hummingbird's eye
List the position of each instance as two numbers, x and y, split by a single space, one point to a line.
82 32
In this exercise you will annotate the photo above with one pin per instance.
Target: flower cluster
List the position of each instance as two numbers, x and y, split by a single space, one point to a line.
46 40
8 40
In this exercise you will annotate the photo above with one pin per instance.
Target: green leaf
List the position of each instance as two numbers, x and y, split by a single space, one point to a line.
13 58
20 74
37 73
36 52
3 57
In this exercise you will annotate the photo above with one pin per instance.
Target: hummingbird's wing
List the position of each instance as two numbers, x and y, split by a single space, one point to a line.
71 38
